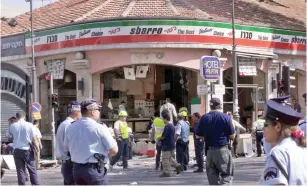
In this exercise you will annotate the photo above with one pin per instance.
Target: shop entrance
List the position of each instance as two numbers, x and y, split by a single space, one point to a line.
251 96
67 91
144 94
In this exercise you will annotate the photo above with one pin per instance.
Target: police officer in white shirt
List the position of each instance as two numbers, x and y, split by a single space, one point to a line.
74 113
90 143
23 135
171 109
286 163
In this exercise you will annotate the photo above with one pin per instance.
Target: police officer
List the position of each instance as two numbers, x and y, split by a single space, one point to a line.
257 130
122 139
24 144
89 144
157 130
216 127
286 164
198 145
74 114
182 140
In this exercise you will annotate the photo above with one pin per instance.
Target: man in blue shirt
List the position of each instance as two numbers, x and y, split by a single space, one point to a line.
23 135
74 113
216 128
90 143
168 146
182 140
199 146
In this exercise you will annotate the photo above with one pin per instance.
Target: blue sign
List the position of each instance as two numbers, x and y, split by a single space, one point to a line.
210 68
36 107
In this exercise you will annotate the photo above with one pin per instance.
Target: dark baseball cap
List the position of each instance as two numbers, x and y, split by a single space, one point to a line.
90 105
215 102
74 106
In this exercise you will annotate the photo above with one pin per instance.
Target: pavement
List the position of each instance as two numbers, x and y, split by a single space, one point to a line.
141 172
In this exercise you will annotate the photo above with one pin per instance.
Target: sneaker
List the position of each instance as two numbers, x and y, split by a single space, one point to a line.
165 175
198 170
178 169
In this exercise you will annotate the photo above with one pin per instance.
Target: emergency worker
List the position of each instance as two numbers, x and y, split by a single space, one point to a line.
25 144
182 140
89 144
157 130
257 130
216 128
286 164
199 146
74 114
122 139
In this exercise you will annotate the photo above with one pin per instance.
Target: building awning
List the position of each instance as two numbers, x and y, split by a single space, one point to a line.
258 54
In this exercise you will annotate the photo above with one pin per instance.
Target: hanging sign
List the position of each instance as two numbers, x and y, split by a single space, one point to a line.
210 68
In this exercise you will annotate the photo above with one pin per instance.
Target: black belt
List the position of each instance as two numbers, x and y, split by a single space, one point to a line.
217 147
93 165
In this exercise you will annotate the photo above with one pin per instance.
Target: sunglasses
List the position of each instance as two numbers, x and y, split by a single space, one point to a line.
266 124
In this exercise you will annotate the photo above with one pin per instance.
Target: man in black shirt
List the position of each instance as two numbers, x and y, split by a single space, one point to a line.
168 146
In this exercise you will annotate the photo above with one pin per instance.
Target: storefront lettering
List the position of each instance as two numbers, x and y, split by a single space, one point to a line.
97 34
14 86
170 30
16 44
275 37
216 33
139 30
52 39
264 38
285 40
206 30
298 40
83 33
114 31
246 35
186 31
69 37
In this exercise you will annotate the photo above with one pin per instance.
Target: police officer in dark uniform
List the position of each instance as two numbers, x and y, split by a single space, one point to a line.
90 143
216 128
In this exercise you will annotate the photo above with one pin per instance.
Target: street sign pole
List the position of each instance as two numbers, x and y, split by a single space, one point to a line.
52 123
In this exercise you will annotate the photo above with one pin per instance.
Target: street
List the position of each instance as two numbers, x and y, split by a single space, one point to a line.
247 172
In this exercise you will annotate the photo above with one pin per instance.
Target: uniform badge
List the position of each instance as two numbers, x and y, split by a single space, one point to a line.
270 173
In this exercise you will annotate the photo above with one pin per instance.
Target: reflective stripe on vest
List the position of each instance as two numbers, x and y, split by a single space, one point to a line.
159 127
124 130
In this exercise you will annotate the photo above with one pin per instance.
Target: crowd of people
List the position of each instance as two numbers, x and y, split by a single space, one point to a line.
87 150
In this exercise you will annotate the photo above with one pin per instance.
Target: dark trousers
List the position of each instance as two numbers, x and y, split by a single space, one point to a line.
199 152
122 151
259 136
182 153
23 159
67 172
219 166
87 174
158 155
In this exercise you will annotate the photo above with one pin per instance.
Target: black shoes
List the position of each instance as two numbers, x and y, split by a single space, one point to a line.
198 170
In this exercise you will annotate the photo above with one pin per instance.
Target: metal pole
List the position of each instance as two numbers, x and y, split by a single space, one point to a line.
234 67
34 76
52 127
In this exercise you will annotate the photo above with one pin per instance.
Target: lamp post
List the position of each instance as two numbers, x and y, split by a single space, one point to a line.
13 23
236 115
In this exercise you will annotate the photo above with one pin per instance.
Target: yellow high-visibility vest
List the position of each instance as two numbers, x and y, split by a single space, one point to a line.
124 129
159 127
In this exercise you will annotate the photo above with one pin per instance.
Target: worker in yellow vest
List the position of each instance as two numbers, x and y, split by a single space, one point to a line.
258 130
157 130
122 138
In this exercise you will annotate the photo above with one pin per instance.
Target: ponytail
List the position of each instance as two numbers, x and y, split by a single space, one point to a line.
295 133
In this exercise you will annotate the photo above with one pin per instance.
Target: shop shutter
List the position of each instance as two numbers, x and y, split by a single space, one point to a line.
8 109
